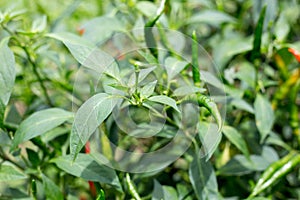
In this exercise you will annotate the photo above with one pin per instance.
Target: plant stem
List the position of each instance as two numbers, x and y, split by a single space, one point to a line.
35 71
5 157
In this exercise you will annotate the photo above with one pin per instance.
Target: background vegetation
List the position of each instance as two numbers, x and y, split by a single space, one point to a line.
254 45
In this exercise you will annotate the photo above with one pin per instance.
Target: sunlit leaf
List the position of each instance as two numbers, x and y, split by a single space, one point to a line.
89 116
39 123
86 167
174 67
7 71
165 100
9 173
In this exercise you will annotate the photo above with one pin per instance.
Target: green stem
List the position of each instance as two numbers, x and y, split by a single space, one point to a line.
5 157
38 76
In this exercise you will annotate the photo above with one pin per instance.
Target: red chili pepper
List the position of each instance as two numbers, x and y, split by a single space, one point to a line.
80 31
87 148
295 53
91 183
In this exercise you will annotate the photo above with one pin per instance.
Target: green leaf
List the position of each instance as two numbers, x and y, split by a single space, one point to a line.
228 47
87 54
183 191
174 67
7 71
240 165
211 17
39 24
9 173
264 116
246 73
52 191
165 100
86 167
95 33
4 139
203 179
89 116
158 192
282 28
242 104
210 138
258 35
39 123
187 90
147 8
236 138
148 89
211 79
163 192
144 73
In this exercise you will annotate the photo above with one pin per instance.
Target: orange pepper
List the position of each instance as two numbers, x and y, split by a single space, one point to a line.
295 53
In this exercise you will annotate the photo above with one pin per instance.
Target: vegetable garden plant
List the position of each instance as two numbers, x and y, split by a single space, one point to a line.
165 99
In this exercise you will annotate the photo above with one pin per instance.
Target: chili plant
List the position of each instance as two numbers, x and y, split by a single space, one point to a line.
130 99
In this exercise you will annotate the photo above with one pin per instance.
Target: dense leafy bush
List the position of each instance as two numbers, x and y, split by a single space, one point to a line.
128 99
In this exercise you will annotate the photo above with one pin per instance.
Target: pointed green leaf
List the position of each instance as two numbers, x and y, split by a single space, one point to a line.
236 138
39 123
165 100
242 104
95 33
163 192
210 138
87 54
203 179
39 24
187 90
240 165
86 167
52 191
7 71
148 89
211 17
89 116
174 67
264 116
9 173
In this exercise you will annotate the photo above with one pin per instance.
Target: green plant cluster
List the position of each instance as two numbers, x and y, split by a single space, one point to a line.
223 74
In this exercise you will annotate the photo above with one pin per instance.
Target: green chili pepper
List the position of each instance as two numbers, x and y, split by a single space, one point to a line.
209 104
258 35
149 37
33 189
275 171
131 188
195 63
